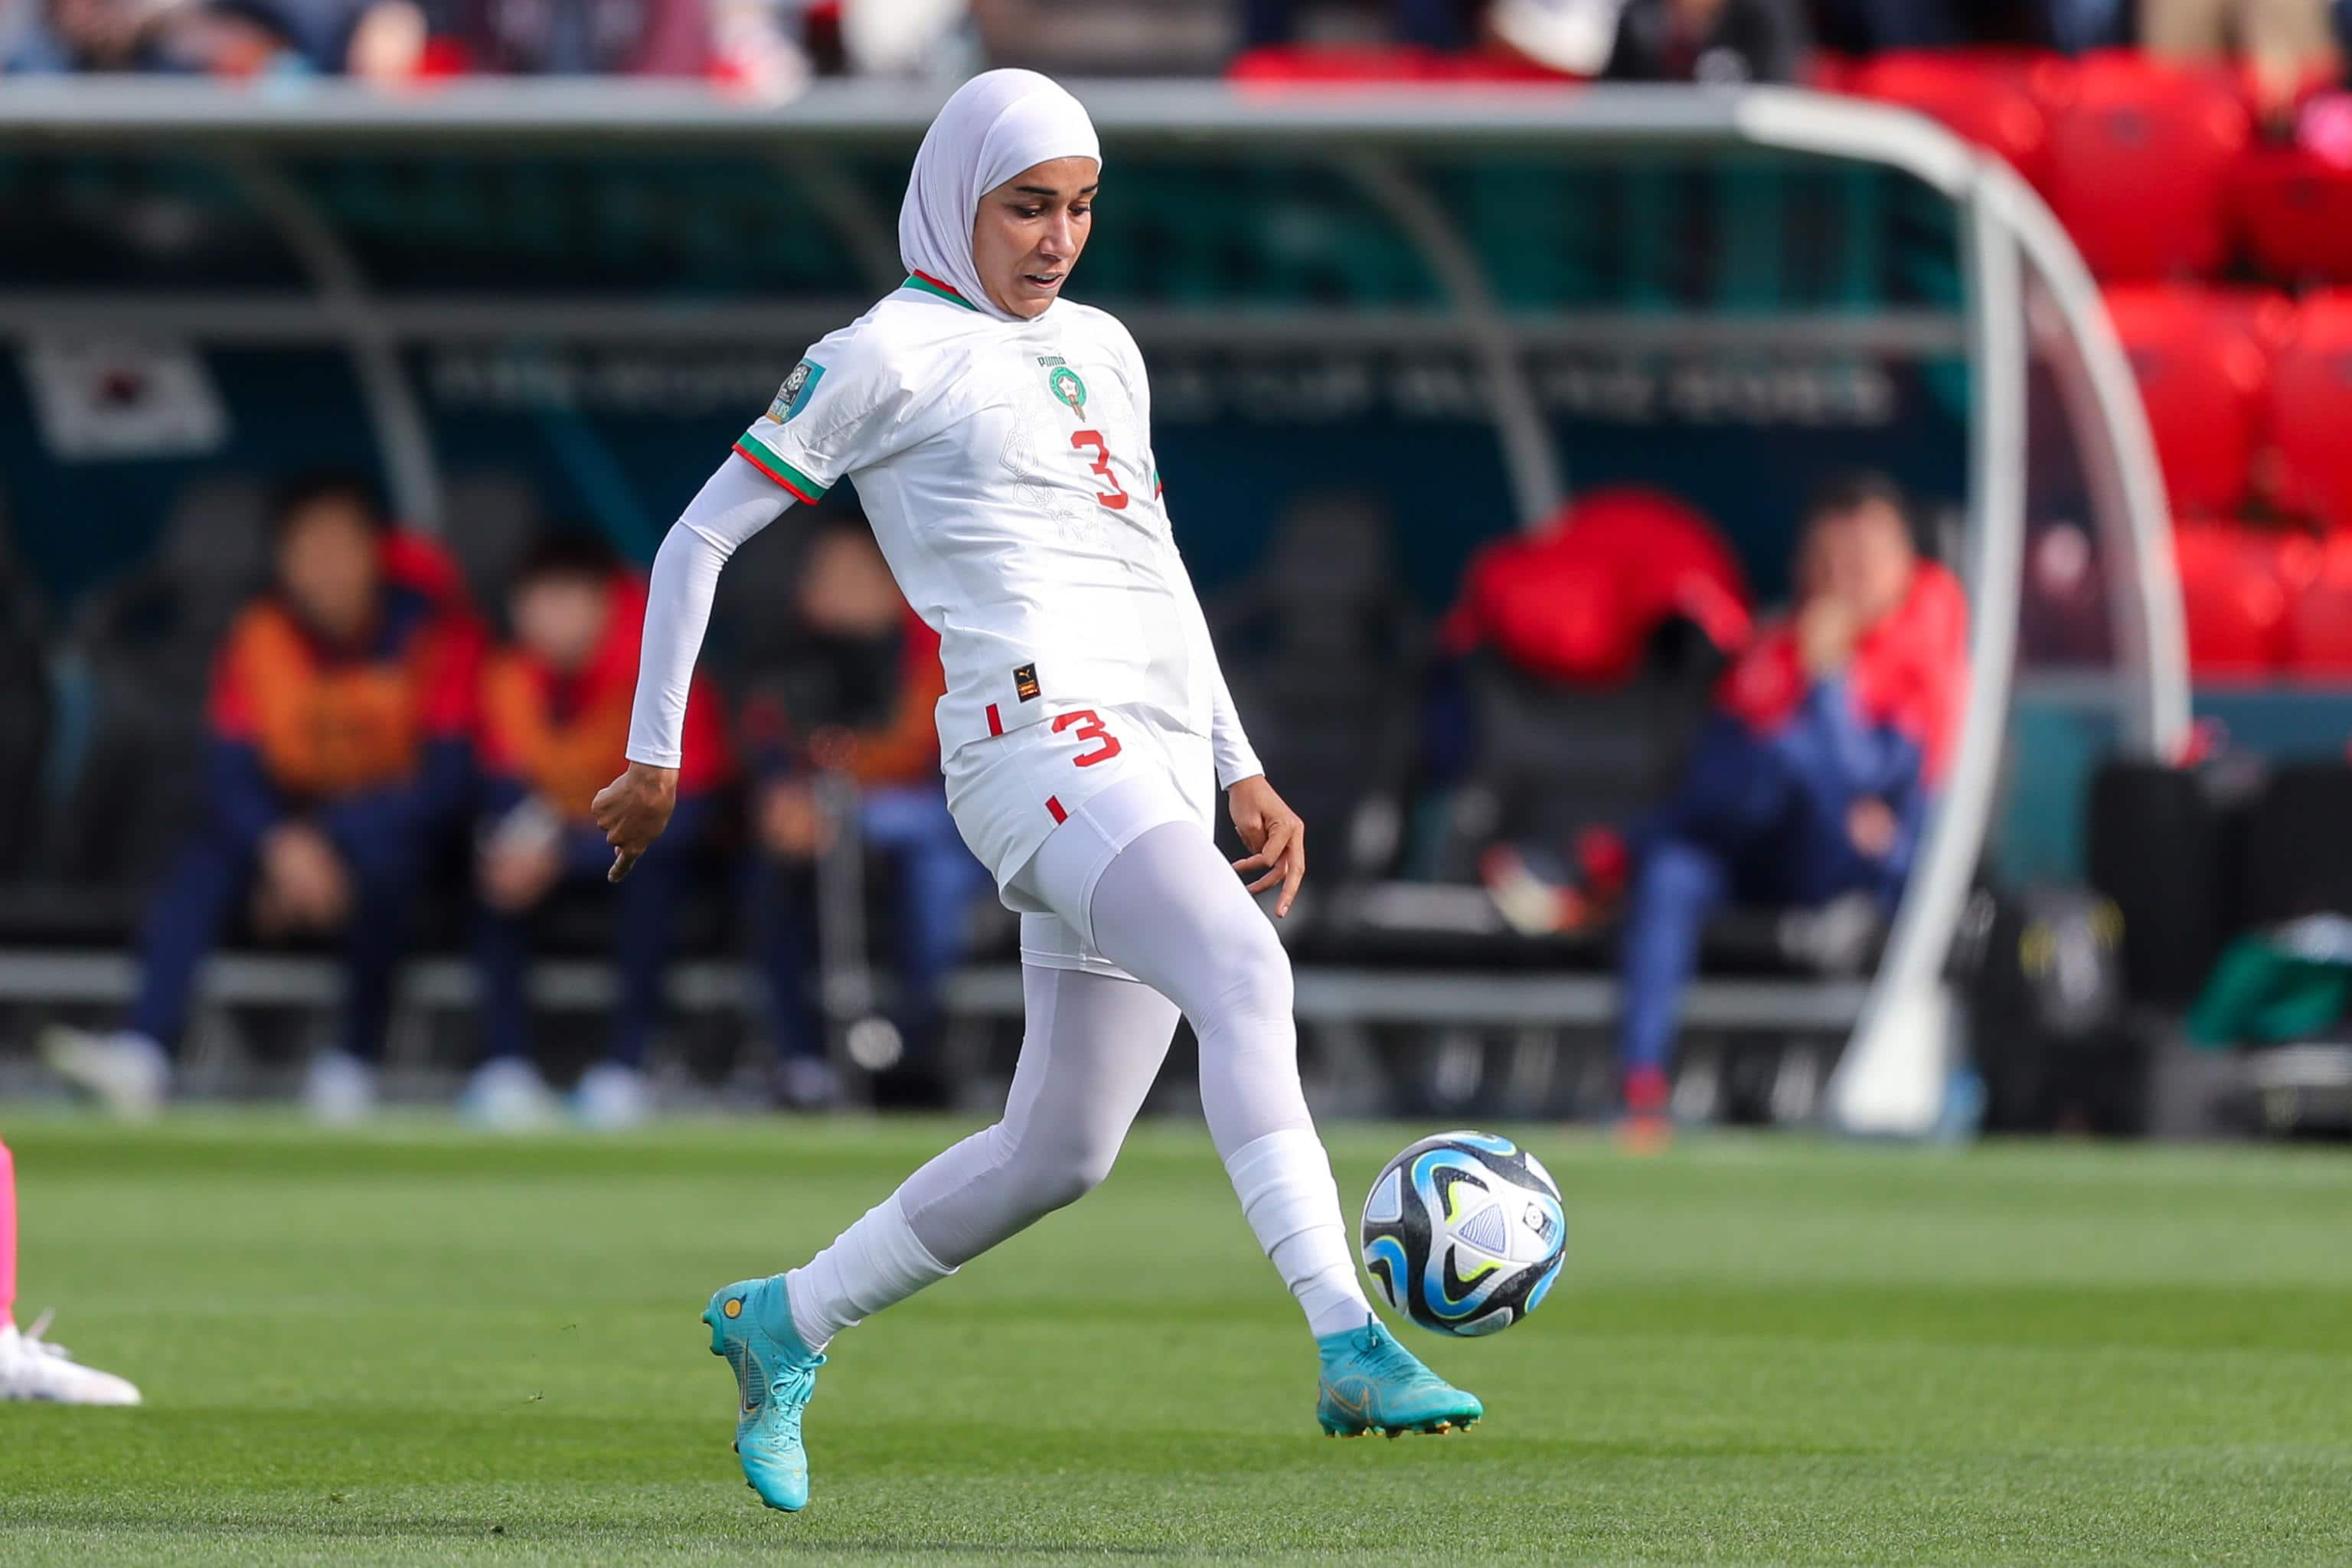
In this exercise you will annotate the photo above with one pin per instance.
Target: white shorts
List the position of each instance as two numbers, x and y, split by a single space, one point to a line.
1010 793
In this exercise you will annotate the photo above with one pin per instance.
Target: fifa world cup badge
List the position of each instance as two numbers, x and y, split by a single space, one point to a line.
793 395
1068 389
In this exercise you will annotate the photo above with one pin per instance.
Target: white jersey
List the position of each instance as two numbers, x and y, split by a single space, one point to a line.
1006 468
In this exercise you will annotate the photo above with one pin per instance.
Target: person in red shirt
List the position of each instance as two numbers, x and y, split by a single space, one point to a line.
555 719
341 704
1831 733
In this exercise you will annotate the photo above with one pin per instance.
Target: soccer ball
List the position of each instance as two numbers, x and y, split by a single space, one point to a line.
1463 1233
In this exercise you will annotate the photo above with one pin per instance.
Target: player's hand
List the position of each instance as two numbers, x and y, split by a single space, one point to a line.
792 825
632 810
515 877
1871 825
1276 839
303 883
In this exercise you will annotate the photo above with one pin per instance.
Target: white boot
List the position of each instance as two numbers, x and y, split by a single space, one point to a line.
340 1089
612 1096
32 1368
127 1072
506 1094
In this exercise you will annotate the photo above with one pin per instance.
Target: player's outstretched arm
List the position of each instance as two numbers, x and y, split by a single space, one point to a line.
736 502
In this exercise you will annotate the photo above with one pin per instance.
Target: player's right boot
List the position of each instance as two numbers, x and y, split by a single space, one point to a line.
1371 1383
32 1368
775 1376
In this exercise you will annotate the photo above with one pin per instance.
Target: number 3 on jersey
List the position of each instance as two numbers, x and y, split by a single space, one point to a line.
1116 499
1090 727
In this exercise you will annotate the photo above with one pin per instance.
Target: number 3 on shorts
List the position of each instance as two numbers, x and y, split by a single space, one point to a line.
1090 727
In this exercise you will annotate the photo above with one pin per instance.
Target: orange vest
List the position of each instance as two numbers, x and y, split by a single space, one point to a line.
565 759
322 729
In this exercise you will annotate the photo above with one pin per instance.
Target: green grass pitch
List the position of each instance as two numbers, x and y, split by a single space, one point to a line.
414 1345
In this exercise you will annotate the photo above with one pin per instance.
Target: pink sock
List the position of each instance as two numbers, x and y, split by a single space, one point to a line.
7 1235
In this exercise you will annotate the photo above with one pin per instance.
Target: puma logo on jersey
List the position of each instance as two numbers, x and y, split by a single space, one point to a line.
1024 682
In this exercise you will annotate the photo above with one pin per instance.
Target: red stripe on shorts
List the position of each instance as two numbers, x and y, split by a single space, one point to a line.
1054 804
995 723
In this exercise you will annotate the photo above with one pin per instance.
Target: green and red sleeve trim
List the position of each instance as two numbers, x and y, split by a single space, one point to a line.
926 283
760 456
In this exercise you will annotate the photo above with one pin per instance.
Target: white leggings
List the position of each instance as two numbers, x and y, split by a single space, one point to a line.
1137 879
1166 907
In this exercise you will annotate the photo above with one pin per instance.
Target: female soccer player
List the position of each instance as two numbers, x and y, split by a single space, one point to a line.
1000 442
31 1367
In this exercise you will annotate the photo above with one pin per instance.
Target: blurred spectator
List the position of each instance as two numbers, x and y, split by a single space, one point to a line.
851 691
555 719
1075 37
1812 781
1573 36
1718 42
1430 24
2078 27
912 38
341 704
166 36
609 37
1875 26
2287 45
377 40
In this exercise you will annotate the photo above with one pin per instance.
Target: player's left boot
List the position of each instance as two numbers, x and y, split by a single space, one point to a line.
1371 1383
776 1377
32 1368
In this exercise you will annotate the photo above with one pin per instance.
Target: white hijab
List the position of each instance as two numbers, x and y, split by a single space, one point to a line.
997 124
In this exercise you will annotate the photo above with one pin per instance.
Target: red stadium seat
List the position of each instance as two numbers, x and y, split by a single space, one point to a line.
2232 598
2311 414
2319 613
1989 102
1291 66
2203 361
1826 72
2141 155
2294 214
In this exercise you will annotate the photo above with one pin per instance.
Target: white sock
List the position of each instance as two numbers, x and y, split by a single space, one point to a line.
875 1263
1284 1180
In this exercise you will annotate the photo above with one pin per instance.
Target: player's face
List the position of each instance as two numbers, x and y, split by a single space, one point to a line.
561 618
1029 232
328 565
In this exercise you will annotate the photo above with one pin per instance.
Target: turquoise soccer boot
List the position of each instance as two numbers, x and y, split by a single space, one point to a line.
751 1325
1371 1383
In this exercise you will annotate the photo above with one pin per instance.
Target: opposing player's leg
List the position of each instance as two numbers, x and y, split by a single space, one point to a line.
1162 902
30 1367
1092 1046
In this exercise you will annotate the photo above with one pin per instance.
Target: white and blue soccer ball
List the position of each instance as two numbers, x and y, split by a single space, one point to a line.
1463 1233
